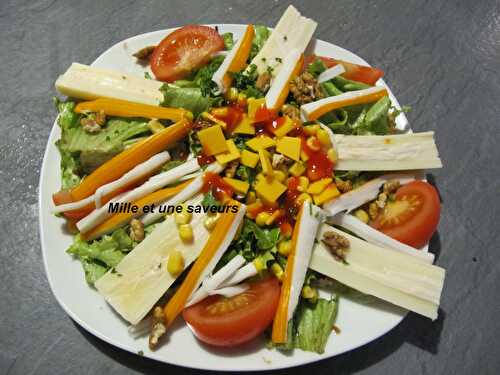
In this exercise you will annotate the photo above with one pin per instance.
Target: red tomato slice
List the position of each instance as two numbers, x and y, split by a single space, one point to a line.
224 321
184 50
355 72
413 217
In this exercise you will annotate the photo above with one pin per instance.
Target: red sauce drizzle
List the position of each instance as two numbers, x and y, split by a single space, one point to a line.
214 183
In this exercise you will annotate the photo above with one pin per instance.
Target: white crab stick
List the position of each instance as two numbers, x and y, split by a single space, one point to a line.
278 92
154 183
376 237
139 171
189 191
230 291
314 110
331 73
367 192
212 283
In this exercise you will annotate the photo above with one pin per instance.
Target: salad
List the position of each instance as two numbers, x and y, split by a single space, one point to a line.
244 186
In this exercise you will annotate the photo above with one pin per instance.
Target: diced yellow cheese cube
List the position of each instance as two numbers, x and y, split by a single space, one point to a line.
297 169
289 146
287 126
269 190
267 167
259 142
238 186
318 186
245 126
249 159
329 193
254 105
232 154
212 140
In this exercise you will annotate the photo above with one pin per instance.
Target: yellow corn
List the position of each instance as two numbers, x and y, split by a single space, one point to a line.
332 155
285 247
232 94
155 126
175 263
311 129
309 293
242 99
361 215
262 218
183 217
186 233
323 137
303 184
279 175
297 169
210 221
275 215
277 271
259 264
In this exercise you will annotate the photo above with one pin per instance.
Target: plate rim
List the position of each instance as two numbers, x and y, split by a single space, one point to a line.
117 343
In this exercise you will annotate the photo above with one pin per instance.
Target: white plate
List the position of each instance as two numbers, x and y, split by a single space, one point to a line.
359 323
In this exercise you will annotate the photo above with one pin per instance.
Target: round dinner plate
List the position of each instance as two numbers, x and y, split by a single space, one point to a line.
359 323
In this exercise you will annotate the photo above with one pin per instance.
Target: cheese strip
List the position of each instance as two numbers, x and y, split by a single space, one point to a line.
331 73
220 239
393 277
141 278
292 31
387 152
235 60
278 92
88 83
314 110
303 239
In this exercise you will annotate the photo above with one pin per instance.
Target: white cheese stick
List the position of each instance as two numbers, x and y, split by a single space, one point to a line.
330 73
87 82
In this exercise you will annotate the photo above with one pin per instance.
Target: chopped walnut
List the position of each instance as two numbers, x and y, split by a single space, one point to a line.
136 230
373 210
291 111
145 53
263 81
305 88
343 186
391 186
381 200
231 167
93 121
337 244
158 327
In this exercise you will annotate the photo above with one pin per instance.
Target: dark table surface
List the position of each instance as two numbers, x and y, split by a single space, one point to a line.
440 57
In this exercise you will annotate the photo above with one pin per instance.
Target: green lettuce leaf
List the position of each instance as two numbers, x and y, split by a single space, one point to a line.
93 270
190 98
228 40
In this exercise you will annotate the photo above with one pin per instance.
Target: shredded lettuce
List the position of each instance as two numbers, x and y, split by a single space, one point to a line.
261 35
228 40
190 98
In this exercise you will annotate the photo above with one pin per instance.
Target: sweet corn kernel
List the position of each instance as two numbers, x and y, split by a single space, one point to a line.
303 184
309 293
262 218
242 99
313 143
311 129
232 94
297 169
175 263
332 155
259 264
274 216
285 247
303 197
361 215
210 221
323 137
277 271
155 126
221 111
183 217
186 232
279 175
251 197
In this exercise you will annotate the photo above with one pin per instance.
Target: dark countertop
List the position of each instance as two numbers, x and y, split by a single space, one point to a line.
440 57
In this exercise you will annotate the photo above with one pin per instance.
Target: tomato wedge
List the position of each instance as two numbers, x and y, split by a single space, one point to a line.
355 72
184 50
414 215
222 321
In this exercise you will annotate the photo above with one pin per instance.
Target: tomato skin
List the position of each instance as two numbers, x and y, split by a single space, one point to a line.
416 228
184 50
242 324
355 72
